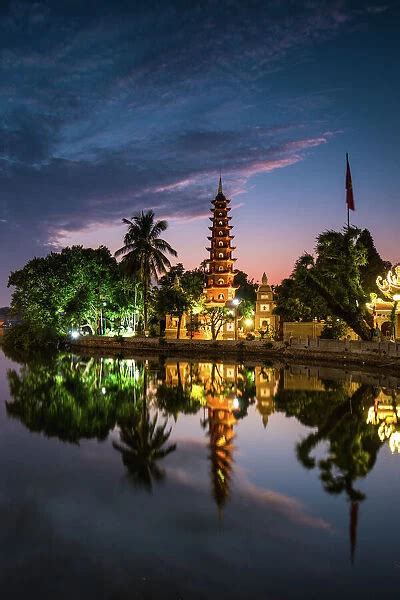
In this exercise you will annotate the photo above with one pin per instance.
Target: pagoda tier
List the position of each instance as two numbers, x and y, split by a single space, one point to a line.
220 277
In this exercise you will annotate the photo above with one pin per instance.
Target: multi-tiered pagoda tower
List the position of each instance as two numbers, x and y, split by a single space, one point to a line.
220 274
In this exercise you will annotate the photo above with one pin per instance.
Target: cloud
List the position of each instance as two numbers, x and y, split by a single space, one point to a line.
138 105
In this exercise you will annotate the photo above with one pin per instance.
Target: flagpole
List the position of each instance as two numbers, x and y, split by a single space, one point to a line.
347 204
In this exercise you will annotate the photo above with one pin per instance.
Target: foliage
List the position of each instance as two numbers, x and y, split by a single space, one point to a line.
334 279
374 266
179 291
144 252
340 421
73 399
65 290
295 302
17 341
247 289
215 318
334 330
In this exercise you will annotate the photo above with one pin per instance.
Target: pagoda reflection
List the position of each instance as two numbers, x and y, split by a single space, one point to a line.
267 383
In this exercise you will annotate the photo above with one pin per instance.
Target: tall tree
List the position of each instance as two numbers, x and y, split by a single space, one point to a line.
334 281
65 289
144 252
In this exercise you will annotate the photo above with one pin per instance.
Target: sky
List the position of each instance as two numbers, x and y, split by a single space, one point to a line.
109 108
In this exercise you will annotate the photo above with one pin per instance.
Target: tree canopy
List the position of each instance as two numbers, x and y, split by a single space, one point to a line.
335 282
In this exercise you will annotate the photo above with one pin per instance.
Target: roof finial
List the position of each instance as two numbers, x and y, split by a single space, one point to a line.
220 185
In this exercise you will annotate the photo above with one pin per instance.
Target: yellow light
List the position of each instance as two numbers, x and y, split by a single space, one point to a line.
248 322
396 297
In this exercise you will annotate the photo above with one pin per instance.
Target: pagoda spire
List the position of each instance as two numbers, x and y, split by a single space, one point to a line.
220 185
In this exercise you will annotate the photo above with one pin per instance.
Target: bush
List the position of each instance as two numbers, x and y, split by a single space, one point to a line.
334 330
22 341
250 336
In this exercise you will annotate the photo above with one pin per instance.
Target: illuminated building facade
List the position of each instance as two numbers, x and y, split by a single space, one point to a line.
386 311
264 319
220 272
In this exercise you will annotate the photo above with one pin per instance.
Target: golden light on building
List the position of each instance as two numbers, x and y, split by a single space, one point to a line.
386 416
390 286
385 310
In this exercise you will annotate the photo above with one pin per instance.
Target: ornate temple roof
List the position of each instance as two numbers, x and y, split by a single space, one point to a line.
264 286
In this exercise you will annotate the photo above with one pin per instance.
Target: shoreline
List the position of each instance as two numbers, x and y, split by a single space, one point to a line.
240 351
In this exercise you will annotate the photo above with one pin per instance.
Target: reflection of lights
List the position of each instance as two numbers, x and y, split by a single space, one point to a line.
385 431
236 403
221 441
74 335
103 391
372 417
394 442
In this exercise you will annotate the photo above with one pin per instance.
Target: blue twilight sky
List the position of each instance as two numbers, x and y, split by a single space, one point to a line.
107 108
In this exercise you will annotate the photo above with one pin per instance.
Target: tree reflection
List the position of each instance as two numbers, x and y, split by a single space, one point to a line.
142 443
73 398
180 392
351 443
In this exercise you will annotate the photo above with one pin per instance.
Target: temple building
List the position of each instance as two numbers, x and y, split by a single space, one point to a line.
386 310
264 319
219 287
220 266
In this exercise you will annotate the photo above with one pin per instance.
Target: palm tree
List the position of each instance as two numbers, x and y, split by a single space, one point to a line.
144 251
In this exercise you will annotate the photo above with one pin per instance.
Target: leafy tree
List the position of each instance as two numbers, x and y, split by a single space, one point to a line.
246 293
374 266
334 277
172 301
215 318
66 289
334 329
144 252
336 283
179 292
247 289
294 302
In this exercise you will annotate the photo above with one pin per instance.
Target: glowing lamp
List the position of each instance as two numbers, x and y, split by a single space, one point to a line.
235 301
74 335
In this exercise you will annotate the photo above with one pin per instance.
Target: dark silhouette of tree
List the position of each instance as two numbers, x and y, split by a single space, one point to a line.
336 282
352 444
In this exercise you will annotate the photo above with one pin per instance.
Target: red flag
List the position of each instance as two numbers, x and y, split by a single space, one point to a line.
349 187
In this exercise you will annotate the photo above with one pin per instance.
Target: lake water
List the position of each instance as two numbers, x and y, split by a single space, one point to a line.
254 482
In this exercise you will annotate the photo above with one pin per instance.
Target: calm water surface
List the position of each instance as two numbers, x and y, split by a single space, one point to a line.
166 479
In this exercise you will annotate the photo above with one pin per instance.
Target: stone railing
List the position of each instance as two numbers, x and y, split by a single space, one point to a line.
378 348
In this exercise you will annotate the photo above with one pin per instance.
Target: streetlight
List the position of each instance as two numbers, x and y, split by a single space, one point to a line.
235 303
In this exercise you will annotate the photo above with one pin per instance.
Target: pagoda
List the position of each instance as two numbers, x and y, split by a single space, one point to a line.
219 288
